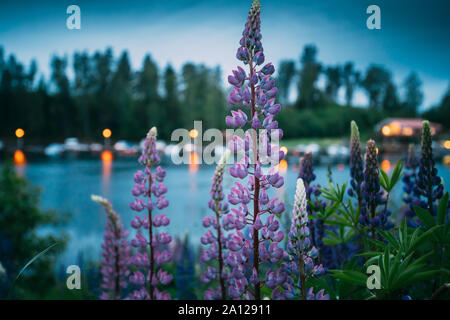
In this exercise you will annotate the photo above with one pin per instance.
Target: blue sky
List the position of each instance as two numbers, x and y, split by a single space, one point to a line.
414 34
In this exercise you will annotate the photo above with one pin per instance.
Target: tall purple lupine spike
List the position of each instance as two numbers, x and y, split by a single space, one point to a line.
217 242
152 253
302 254
306 173
412 194
316 226
116 253
423 187
356 164
429 184
250 247
372 193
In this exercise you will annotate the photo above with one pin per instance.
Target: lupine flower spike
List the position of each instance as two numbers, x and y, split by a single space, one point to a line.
306 173
356 164
316 226
429 183
248 249
302 254
184 258
372 194
215 239
412 194
149 192
116 252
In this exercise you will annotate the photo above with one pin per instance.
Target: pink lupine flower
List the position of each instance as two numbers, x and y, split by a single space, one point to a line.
116 252
216 241
302 257
149 186
257 244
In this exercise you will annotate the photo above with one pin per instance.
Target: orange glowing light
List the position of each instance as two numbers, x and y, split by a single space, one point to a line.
107 156
341 166
377 150
386 130
194 158
19 157
408 131
433 131
446 160
284 149
20 133
283 165
107 133
193 163
396 128
385 165
193 133
447 144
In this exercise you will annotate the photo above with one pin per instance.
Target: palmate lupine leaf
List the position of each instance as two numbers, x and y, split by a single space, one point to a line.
324 212
417 240
390 238
418 270
397 273
406 242
344 235
440 221
398 266
389 183
332 193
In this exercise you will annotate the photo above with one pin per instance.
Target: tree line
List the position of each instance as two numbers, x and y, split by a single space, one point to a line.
104 91
377 83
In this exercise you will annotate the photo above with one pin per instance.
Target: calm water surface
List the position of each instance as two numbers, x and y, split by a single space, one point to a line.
68 184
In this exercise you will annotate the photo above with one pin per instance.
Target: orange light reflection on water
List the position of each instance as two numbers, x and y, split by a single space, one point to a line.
20 161
107 159
282 166
385 165
193 163
19 158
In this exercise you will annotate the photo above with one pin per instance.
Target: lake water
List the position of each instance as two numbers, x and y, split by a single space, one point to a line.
67 185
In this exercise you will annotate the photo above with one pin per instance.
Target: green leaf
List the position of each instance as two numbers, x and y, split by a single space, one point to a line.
369 254
373 260
389 184
424 236
352 276
396 174
420 276
378 243
394 270
387 261
425 216
332 238
384 180
390 238
40 254
442 209
331 209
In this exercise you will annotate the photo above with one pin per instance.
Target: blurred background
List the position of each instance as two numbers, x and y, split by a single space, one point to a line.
76 104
